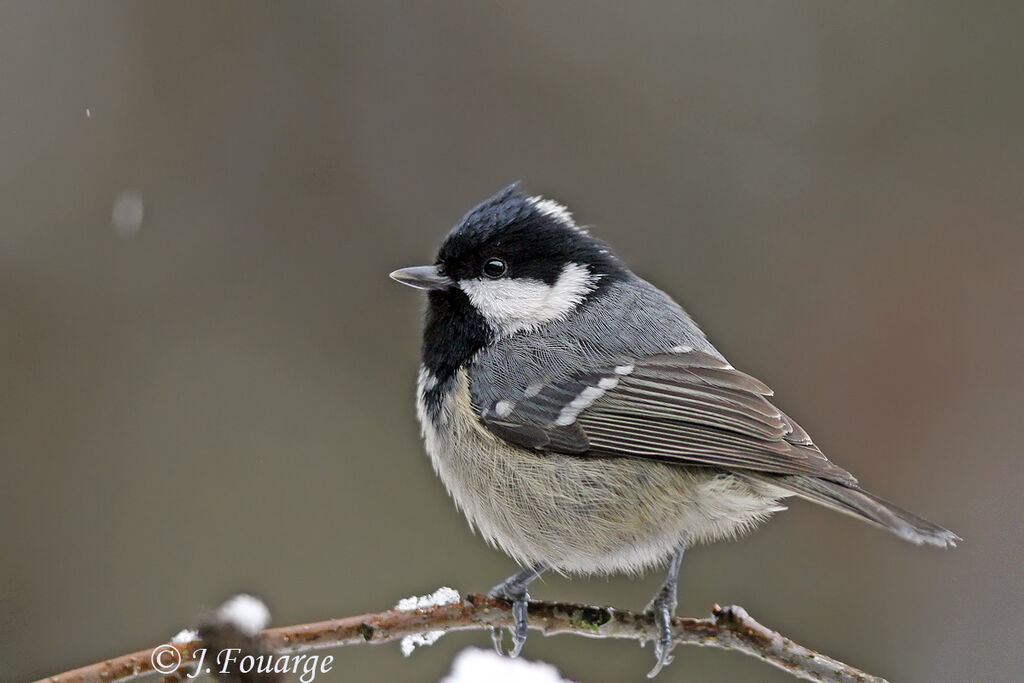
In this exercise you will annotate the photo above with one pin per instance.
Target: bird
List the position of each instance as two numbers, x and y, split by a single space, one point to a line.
584 424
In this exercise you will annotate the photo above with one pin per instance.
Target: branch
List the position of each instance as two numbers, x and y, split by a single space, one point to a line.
729 628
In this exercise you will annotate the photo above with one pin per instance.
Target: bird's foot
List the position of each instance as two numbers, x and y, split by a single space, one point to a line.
514 592
662 609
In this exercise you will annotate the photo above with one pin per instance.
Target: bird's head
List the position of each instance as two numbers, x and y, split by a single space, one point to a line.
514 263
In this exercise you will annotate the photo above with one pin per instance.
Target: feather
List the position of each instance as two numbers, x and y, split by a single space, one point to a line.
687 407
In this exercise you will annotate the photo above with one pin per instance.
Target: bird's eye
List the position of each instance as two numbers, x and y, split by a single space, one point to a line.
495 268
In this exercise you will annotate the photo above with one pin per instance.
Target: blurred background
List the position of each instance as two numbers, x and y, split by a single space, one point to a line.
208 378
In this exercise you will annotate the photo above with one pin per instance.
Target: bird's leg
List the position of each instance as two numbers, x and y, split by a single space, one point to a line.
663 607
513 590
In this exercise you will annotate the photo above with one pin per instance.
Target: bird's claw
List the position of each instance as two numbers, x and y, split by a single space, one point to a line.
518 597
662 608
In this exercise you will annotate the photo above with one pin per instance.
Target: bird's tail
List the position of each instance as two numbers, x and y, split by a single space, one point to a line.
870 508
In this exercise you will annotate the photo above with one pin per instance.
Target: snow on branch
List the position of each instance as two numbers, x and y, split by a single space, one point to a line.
729 628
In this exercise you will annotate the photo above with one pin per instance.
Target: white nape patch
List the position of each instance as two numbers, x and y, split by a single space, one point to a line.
442 596
473 665
246 613
624 369
682 348
552 209
503 408
584 400
410 643
185 636
512 305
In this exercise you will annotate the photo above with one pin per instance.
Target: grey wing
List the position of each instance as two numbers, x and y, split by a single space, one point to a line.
687 407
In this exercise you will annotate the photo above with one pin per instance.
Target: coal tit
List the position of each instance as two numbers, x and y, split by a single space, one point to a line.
584 423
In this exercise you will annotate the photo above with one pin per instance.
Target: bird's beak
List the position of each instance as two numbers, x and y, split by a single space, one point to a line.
421 277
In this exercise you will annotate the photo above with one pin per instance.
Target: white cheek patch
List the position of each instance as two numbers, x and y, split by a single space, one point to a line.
511 305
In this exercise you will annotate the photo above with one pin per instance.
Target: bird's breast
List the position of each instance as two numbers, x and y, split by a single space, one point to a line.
570 512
